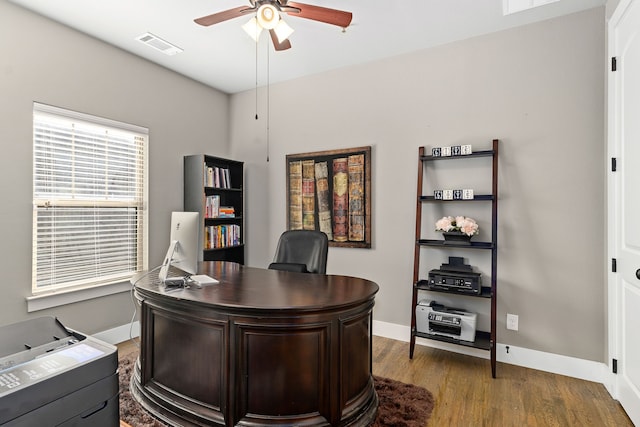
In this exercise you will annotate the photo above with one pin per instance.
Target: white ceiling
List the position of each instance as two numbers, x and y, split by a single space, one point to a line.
224 56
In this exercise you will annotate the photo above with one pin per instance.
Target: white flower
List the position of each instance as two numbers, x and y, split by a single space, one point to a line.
462 224
445 224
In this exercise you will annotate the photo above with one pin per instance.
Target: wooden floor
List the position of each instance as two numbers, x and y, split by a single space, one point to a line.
127 347
466 395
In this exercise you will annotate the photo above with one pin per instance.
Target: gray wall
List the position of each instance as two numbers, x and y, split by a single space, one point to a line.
49 63
539 89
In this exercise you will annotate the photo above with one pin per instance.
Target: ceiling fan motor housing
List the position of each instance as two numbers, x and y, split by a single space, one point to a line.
268 16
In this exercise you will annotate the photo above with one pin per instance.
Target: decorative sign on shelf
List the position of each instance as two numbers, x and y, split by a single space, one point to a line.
464 194
454 150
330 191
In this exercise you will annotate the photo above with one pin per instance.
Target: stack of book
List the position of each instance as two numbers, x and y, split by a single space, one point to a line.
226 212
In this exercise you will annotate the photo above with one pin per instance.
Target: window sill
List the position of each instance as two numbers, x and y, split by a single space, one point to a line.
44 301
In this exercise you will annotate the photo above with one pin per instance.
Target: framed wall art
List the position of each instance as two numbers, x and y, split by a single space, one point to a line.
330 191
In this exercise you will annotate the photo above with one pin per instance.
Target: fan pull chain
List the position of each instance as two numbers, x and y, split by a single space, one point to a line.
268 100
256 80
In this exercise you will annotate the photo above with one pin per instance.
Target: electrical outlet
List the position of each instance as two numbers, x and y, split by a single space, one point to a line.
512 322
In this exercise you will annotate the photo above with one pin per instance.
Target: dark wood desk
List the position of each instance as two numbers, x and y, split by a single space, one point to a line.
262 347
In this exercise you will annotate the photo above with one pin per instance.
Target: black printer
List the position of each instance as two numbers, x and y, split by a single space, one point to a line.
54 376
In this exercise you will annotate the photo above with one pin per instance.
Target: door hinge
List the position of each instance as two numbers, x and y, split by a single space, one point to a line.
615 366
614 64
614 265
614 164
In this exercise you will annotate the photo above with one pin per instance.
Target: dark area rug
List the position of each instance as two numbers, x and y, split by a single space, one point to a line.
401 405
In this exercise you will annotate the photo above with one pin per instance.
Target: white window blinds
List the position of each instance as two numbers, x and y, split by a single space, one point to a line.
89 200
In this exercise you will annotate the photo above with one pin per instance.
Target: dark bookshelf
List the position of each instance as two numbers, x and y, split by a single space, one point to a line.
230 192
485 340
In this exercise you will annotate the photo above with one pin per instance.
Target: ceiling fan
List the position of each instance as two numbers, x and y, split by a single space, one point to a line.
267 16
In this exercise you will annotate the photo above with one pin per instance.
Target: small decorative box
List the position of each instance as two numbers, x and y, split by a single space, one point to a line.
447 194
465 149
456 150
446 151
435 151
457 194
437 194
467 194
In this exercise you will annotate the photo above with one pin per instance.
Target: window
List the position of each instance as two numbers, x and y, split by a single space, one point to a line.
89 200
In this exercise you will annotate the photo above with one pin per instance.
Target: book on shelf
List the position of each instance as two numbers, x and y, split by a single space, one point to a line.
322 192
223 179
216 180
295 195
208 176
308 195
356 197
227 178
340 199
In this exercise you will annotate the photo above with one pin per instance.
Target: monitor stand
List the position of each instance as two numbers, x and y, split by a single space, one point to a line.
164 270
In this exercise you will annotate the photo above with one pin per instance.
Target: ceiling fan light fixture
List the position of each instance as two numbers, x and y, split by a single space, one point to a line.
268 16
283 30
253 29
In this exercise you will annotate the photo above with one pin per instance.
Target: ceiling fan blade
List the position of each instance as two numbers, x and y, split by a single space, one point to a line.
276 44
322 14
223 16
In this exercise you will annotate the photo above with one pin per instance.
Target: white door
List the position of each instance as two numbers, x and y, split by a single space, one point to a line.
624 204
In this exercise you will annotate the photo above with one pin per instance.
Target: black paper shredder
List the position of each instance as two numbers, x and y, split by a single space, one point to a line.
54 376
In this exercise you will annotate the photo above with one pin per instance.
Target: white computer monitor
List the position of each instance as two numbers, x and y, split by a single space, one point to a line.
183 244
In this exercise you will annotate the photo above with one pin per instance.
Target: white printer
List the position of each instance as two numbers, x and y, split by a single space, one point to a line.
53 376
436 319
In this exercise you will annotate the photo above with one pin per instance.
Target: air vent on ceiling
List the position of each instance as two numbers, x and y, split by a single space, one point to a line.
159 44
513 6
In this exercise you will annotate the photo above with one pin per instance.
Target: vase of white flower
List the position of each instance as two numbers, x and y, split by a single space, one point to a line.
457 230
456 237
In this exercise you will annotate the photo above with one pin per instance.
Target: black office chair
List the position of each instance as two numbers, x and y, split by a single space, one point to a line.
304 251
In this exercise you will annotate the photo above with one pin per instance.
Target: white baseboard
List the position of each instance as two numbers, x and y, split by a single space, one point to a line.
555 363
548 362
119 334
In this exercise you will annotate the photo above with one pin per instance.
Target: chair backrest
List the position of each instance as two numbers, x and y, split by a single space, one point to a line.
298 249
